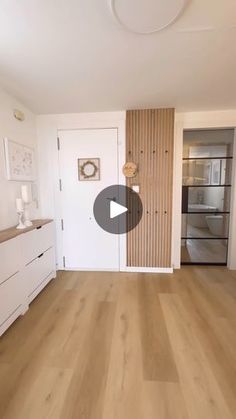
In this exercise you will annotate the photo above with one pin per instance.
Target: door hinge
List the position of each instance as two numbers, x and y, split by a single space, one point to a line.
62 224
58 143
60 184
64 261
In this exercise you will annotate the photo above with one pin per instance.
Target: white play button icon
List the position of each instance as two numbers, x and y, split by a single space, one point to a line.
116 209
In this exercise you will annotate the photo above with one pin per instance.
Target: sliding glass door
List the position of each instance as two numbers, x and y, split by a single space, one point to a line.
205 208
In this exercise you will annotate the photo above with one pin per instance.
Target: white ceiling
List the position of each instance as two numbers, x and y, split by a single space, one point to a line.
71 56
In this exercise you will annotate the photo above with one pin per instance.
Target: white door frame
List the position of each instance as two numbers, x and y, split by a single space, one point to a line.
93 121
76 136
200 120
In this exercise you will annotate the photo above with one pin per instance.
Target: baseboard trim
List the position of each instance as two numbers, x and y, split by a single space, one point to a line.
89 269
125 269
147 269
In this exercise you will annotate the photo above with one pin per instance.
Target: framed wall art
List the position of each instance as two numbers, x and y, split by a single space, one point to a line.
89 169
20 161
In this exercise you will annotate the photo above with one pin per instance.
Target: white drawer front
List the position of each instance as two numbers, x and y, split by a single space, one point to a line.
9 258
37 241
10 297
38 270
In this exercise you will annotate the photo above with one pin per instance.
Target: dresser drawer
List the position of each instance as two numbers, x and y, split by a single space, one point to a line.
38 270
11 297
37 241
9 258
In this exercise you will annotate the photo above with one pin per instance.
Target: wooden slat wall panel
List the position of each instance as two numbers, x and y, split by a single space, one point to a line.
150 143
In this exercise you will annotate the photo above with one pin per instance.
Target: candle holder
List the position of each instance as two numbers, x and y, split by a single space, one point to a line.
27 221
21 225
26 194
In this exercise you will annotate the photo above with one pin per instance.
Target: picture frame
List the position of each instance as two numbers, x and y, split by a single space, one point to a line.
20 161
89 169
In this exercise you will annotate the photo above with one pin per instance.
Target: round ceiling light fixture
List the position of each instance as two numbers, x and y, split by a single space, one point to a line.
146 17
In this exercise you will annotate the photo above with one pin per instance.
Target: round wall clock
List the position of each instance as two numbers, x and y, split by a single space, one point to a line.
130 169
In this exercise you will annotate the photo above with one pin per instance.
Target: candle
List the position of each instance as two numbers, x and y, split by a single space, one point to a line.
19 205
26 194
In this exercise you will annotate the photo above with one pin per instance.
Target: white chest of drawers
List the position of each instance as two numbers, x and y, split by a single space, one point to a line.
27 264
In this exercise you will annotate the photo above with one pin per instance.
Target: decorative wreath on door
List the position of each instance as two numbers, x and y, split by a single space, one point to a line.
89 169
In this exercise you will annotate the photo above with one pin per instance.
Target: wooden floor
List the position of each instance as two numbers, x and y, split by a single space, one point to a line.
124 346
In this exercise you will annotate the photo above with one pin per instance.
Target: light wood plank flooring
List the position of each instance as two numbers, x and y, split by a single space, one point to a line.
124 346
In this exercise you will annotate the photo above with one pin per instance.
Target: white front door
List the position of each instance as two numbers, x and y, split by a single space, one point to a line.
85 244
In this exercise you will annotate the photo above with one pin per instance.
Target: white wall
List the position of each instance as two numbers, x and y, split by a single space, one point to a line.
47 126
23 132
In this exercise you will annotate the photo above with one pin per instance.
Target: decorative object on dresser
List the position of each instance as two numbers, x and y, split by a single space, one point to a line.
20 164
26 193
27 265
20 212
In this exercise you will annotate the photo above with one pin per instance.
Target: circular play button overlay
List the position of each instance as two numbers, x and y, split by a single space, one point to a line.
118 209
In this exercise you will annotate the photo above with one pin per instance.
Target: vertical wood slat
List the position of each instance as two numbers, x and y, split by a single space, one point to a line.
150 144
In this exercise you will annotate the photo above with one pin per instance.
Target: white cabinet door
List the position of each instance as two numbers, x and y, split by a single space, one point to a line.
37 271
85 244
11 297
37 241
10 259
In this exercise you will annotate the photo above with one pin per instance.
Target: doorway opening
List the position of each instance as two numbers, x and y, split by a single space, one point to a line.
206 195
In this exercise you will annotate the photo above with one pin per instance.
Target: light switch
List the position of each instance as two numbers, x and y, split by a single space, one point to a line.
135 188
